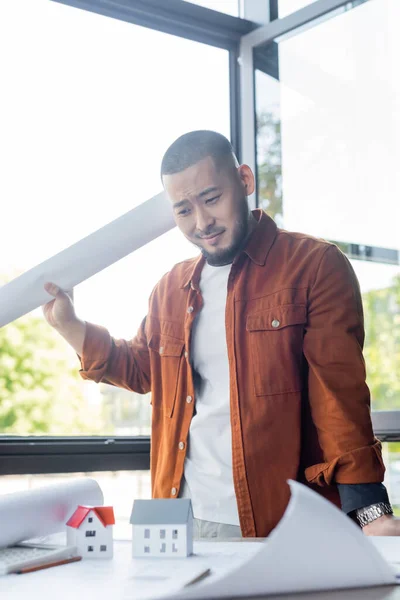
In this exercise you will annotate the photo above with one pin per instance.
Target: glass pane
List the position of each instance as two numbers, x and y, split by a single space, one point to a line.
84 128
391 456
340 127
229 7
380 288
328 133
120 488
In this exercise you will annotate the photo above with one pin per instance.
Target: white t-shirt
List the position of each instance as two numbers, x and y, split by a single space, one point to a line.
208 464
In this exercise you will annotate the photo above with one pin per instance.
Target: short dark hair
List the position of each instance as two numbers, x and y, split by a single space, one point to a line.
192 147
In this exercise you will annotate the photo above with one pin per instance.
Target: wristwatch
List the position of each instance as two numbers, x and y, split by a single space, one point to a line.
368 514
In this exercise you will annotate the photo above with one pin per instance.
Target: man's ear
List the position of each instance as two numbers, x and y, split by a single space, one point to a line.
247 178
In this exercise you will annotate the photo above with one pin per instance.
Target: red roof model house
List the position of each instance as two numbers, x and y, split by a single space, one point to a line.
90 530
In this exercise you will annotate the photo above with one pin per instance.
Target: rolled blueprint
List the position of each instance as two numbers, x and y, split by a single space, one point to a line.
87 257
37 513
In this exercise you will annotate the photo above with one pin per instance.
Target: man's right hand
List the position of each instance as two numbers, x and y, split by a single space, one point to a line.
60 314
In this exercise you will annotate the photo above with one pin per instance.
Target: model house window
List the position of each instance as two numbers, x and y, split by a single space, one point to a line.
103 548
174 548
147 549
90 548
174 534
163 547
90 533
162 534
90 520
147 533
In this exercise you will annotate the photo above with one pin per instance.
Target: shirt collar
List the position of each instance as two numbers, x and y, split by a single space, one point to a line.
262 238
257 248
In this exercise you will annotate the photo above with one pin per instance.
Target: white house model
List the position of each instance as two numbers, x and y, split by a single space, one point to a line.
162 528
90 529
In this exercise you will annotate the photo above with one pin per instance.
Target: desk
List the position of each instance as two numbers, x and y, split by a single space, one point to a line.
113 580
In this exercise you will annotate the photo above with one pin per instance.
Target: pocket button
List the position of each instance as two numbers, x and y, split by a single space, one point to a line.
275 323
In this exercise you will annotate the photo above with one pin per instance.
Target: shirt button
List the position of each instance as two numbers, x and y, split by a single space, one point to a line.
186 354
189 399
190 309
161 349
181 445
275 323
173 491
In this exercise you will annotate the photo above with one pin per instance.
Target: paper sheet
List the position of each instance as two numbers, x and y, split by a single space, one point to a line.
389 548
125 578
87 257
40 512
315 547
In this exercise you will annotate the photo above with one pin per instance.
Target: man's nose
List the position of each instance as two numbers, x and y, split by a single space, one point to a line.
204 221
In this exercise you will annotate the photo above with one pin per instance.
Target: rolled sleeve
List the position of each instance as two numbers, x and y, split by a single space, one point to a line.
96 352
362 465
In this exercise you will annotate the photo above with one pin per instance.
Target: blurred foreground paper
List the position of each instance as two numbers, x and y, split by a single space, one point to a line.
315 547
87 257
40 512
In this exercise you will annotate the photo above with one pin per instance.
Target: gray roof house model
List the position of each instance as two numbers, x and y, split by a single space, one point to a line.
162 528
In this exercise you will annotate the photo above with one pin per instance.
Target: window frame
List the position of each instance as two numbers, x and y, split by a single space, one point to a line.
67 454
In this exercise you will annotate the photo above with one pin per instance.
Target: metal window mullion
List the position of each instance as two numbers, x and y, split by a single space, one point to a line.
386 424
234 101
248 111
270 32
175 17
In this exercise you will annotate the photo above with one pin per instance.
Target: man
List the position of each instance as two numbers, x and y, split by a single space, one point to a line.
253 355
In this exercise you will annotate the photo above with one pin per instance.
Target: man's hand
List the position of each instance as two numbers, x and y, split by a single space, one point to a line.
60 314
385 525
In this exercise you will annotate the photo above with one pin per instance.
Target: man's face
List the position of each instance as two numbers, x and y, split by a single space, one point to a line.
210 207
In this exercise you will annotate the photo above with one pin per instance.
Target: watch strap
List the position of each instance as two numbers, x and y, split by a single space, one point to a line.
368 514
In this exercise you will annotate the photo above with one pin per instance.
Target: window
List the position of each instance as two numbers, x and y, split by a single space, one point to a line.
328 134
90 548
162 534
86 149
90 533
147 533
163 547
147 549
103 548
174 548
90 520
174 534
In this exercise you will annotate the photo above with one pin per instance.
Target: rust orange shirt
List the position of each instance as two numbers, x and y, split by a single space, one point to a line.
300 407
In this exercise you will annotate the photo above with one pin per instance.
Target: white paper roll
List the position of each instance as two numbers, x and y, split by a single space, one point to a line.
87 257
36 513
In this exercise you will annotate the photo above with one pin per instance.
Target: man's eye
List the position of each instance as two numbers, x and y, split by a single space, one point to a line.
212 200
184 212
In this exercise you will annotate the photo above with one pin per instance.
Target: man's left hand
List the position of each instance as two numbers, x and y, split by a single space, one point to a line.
385 525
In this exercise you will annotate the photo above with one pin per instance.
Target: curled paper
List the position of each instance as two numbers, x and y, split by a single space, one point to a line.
87 257
41 512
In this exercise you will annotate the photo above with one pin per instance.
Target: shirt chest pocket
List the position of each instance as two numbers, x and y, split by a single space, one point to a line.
276 346
165 361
